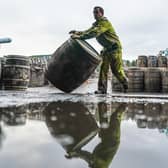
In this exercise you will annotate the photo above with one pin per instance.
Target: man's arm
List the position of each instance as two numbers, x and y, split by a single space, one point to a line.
95 30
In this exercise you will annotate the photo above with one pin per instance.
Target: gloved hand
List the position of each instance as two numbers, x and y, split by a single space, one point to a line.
75 36
75 32
72 32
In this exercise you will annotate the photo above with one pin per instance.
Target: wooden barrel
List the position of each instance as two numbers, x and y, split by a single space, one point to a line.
164 76
152 80
152 61
37 78
116 85
135 80
16 72
2 62
162 61
0 74
142 61
72 64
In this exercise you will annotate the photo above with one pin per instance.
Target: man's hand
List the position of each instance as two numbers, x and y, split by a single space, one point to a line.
75 36
72 32
75 32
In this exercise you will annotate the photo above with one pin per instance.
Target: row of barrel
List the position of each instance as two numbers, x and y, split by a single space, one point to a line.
149 115
144 80
152 61
18 73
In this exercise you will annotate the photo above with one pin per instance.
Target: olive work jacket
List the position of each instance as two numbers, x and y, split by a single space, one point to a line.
104 32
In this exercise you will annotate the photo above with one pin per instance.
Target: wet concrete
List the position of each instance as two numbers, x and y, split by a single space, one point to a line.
85 93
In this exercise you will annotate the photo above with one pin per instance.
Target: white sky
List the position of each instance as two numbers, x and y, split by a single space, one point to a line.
41 26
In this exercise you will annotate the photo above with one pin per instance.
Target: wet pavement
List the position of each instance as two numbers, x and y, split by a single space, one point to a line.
85 93
44 127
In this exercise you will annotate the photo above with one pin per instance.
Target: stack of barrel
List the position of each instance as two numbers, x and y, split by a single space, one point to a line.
15 72
150 75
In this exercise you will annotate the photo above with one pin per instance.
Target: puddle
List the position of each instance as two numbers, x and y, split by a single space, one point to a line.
66 133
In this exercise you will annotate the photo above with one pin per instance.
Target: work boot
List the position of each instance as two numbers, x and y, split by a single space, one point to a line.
125 85
100 92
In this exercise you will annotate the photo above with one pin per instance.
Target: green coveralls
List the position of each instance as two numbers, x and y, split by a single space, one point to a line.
111 53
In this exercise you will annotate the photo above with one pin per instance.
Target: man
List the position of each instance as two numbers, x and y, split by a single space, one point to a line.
111 54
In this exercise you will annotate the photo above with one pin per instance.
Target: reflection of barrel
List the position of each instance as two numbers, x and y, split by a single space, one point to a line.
152 124
70 123
142 61
153 110
152 61
16 72
136 108
72 64
116 85
15 115
164 74
162 124
152 80
135 80
162 61
165 110
141 123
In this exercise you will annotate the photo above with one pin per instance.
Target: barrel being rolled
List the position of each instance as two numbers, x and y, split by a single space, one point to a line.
142 61
72 64
152 80
16 72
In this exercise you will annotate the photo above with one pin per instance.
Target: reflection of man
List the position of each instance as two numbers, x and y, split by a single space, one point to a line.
110 138
105 34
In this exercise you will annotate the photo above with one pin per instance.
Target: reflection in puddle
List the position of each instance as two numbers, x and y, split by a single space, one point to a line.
74 125
73 128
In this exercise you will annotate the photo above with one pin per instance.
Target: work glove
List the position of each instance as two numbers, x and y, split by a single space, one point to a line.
75 32
72 32
75 36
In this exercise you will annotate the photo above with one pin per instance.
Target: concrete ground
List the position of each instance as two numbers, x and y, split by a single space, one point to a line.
84 93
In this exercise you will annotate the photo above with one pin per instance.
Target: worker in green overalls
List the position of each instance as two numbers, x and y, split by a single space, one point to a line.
112 50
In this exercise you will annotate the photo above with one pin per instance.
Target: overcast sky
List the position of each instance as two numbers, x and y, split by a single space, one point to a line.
41 26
